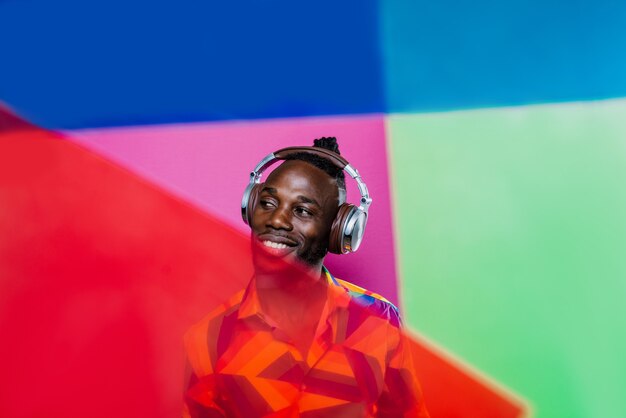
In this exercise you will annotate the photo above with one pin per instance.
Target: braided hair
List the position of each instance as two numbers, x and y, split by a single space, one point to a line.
329 143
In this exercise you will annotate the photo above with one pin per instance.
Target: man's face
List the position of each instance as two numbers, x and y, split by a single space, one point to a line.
295 211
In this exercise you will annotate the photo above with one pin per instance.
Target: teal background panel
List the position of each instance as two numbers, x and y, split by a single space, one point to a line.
449 54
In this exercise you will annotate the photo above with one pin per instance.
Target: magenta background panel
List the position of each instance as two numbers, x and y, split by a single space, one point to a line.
207 164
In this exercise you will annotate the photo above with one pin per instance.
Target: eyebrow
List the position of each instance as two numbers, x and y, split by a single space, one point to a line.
303 199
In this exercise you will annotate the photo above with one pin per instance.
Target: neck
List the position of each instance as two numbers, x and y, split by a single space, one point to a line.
293 289
292 278
294 301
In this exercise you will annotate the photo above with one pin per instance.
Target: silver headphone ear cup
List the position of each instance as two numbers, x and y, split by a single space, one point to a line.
353 230
253 200
249 200
245 200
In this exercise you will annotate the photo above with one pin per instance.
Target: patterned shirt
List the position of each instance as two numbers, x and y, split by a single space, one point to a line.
358 364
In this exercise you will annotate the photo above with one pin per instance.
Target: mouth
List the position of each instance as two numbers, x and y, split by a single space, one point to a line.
276 245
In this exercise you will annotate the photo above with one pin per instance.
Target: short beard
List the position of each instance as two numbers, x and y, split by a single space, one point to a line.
315 256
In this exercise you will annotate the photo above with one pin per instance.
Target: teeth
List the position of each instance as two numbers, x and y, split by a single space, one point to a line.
272 244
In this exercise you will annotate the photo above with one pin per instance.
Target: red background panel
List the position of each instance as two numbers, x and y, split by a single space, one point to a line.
100 275
452 392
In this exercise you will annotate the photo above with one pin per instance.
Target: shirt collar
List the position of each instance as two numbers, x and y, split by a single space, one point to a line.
329 277
250 305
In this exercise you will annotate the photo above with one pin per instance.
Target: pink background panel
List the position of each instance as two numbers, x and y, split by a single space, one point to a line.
208 164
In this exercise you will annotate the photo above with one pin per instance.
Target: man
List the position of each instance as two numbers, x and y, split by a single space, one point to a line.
298 342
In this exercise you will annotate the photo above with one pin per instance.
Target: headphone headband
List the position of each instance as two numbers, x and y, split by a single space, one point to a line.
339 161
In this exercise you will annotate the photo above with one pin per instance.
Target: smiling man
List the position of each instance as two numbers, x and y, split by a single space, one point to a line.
298 342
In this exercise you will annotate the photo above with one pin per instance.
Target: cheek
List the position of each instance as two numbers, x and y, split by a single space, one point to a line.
316 236
256 221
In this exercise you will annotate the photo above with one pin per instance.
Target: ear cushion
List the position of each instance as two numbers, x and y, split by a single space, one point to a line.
335 242
253 199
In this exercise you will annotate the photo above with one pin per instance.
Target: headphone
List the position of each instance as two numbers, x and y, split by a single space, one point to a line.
346 233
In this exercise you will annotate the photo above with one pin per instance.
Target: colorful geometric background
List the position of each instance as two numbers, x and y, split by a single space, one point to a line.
491 136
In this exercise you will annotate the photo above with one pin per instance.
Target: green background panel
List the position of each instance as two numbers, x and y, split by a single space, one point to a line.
512 238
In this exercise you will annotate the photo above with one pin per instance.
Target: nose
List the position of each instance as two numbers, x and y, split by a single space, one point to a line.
280 218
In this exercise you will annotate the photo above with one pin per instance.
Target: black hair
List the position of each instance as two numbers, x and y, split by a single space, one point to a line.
329 143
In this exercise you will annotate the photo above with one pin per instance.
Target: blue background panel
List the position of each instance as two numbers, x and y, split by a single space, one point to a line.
452 54
76 64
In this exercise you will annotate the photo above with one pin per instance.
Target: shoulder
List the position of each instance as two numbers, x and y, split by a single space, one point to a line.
376 304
